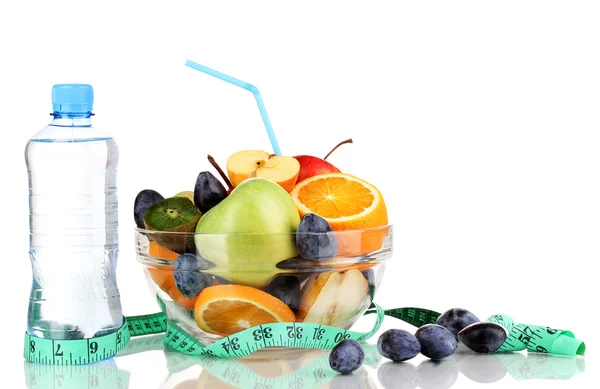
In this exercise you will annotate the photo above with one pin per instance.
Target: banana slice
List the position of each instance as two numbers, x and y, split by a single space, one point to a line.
332 298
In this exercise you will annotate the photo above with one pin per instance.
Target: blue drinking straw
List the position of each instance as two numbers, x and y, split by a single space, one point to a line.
251 88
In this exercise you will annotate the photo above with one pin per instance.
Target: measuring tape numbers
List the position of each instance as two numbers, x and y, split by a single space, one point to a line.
537 339
292 335
84 351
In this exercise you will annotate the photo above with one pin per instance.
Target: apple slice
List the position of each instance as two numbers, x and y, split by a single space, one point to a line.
333 298
255 163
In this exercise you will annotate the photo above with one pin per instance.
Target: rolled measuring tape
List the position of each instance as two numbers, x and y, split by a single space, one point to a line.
520 337
294 335
537 338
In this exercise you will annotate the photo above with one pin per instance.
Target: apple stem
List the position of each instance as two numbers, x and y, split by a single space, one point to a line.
221 173
338 145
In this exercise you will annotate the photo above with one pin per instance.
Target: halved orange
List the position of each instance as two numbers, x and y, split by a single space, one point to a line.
347 203
227 309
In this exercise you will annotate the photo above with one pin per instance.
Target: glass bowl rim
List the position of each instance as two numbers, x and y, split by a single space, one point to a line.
144 231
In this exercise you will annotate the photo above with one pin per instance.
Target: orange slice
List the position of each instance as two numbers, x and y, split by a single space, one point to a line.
227 309
162 275
347 203
181 300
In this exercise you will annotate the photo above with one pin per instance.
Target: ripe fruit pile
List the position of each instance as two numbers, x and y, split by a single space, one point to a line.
436 341
284 242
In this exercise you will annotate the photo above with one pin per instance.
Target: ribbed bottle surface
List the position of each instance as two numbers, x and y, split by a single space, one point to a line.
73 232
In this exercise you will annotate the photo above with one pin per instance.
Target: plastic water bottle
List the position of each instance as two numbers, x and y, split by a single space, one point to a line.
73 222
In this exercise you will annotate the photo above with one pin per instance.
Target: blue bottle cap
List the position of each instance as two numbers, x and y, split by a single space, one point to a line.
72 98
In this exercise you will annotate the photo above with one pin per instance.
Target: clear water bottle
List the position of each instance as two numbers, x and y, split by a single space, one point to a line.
73 222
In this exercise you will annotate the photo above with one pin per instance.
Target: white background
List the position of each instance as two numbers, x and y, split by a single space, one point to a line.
479 121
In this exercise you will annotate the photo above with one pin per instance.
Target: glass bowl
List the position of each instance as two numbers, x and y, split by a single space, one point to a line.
333 291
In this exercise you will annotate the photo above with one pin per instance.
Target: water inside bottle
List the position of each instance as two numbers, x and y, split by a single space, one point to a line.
73 237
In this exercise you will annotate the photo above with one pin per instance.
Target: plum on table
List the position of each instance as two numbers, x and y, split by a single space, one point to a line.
398 345
455 319
483 337
347 356
436 341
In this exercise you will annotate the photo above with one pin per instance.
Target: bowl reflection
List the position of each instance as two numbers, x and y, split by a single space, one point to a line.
308 369
285 368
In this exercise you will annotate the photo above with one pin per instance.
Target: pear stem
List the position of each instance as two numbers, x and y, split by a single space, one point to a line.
221 173
338 145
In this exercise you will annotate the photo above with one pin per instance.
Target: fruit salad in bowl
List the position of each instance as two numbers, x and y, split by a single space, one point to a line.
269 248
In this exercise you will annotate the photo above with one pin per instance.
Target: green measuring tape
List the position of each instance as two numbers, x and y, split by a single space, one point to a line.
519 336
84 351
314 370
537 338
304 369
293 335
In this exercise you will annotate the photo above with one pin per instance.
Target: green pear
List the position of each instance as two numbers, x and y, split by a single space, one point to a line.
256 222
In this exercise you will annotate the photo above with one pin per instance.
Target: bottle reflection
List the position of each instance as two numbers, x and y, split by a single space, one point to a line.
101 375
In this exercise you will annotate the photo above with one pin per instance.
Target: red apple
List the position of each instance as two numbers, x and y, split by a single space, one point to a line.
311 166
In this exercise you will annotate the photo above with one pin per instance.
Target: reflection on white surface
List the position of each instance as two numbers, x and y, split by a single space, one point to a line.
428 374
486 368
101 375
481 368
541 366
286 368
307 369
